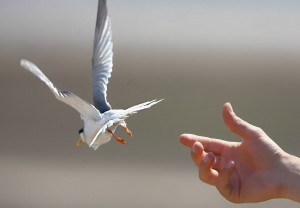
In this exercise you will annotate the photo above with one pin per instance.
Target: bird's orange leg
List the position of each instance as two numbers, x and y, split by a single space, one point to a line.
128 131
116 137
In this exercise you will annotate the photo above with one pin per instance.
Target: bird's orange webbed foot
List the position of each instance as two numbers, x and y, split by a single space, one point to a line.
128 131
116 137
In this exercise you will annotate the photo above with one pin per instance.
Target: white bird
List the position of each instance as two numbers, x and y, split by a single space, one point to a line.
100 121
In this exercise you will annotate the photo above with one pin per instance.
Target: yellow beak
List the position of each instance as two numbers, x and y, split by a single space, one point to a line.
79 142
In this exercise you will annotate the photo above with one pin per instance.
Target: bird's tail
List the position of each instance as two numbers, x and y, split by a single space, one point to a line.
142 106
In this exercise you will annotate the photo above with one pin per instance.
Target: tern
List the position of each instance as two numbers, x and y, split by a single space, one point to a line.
100 120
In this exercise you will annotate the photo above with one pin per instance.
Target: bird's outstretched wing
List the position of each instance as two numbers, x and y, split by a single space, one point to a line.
102 58
86 110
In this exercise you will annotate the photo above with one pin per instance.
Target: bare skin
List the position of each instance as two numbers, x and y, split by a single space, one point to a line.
253 170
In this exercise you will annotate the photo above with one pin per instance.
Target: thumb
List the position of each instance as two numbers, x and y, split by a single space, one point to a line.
238 125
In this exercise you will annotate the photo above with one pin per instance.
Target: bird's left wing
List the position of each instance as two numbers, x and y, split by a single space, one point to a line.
86 110
102 58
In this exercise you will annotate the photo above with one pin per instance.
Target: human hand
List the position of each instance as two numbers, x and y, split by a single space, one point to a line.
249 171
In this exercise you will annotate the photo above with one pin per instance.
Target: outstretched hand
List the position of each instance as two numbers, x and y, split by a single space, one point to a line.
249 171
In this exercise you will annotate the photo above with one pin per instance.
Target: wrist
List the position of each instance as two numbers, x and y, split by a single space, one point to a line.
290 177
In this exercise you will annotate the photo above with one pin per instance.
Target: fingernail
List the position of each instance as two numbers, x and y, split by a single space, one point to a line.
209 157
230 107
197 147
194 150
206 159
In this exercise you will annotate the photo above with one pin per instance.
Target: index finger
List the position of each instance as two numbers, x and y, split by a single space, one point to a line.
215 146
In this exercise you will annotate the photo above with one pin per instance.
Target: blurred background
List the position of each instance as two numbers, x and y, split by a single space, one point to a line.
196 54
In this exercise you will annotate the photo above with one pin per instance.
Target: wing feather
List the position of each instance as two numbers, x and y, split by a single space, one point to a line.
102 58
86 110
142 106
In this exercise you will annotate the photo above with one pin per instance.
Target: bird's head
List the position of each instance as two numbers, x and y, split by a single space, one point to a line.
81 134
81 139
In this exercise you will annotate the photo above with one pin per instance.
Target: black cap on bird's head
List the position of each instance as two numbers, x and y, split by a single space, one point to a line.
80 131
81 140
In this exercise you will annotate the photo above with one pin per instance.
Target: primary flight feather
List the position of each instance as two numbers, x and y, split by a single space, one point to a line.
100 120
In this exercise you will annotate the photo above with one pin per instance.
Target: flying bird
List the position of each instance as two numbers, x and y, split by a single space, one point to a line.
100 120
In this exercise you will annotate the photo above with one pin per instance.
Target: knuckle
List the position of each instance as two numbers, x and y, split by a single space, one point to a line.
237 124
259 131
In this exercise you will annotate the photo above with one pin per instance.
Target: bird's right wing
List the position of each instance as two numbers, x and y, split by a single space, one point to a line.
102 58
86 110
